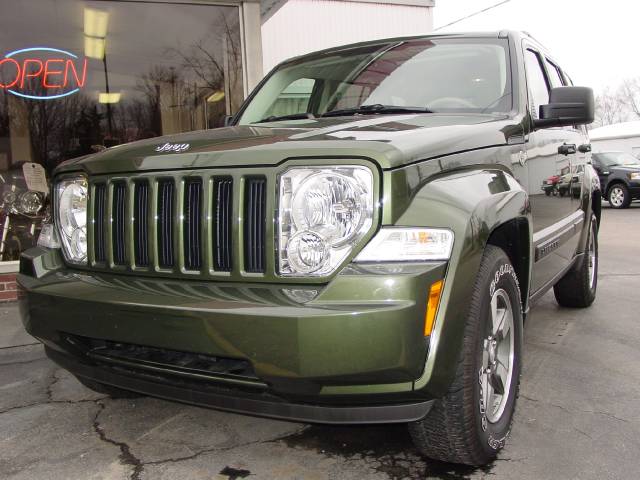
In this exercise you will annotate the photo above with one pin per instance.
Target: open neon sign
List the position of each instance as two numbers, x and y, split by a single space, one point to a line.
58 75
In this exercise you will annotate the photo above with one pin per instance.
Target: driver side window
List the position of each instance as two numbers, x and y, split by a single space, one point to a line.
537 83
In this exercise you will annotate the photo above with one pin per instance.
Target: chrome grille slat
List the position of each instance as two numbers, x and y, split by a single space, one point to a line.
141 224
223 208
118 223
165 223
100 193
255 225
192 224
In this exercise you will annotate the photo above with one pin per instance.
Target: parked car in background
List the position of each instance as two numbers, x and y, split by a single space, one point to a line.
619 174
366 253
550 185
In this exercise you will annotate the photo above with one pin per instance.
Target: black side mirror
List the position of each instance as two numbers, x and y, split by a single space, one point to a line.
584 148
228 120
567 106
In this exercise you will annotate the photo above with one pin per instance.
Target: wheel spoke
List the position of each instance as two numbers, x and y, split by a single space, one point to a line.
496 383
505 326
494 312
501 370
497 356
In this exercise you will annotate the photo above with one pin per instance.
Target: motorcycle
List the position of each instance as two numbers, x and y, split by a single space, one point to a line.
21 214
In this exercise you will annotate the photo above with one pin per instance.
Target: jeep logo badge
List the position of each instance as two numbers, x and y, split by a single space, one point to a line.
173 147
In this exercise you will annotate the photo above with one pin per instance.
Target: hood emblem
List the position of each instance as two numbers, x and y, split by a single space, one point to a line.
173 147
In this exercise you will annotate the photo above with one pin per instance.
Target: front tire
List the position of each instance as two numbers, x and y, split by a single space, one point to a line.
619 196
577 289
471 423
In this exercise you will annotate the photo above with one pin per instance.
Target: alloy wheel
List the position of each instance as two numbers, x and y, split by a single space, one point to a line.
497 358
616 197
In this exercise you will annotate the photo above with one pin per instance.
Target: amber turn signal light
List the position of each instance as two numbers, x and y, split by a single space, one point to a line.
432 307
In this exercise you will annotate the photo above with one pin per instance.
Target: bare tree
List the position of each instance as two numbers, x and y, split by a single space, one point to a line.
610 108
629 93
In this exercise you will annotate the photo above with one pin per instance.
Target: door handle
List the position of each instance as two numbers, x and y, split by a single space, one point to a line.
584 148
567 149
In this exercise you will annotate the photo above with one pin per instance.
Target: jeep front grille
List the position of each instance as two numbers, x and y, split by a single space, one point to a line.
100 198
255 195
192 226
141 223
118 222
223 223
206 224
164 228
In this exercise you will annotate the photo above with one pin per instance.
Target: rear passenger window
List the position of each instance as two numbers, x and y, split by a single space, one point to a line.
554 75
538 89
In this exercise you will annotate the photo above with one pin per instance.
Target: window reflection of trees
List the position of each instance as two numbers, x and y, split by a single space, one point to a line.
188 89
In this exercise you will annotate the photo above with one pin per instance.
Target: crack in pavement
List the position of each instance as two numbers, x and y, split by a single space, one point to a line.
23 362
222 449
51 383
578 410
126 457
50 400
20 346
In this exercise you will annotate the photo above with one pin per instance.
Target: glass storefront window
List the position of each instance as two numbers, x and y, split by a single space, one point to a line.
79 76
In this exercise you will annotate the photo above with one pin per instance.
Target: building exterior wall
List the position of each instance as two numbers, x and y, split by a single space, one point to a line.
303 26
8 288
629 145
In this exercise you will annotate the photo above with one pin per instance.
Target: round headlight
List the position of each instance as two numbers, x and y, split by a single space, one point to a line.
307 252
79 243
323 213
71 196
330 204
29 203
72 209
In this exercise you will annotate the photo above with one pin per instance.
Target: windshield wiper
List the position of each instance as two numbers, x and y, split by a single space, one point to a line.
376 108
291 116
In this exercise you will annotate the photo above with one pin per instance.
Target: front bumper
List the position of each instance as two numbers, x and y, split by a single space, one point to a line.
346 352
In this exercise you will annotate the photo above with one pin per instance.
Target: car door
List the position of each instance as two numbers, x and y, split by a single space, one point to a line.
601 170
551 157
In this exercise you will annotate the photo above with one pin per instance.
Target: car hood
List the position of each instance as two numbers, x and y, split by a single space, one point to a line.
626 168
389 140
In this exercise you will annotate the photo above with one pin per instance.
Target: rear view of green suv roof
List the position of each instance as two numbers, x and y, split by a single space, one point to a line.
360 245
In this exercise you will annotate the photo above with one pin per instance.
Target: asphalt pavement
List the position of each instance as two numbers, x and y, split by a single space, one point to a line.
578 415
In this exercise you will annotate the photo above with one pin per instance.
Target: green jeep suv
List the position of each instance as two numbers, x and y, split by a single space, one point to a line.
361 244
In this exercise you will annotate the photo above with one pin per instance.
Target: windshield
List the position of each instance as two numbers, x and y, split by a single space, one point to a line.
437 75
616 158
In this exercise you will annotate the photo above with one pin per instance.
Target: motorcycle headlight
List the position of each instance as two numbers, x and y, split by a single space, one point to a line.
29 203
324 212
9 198
71 199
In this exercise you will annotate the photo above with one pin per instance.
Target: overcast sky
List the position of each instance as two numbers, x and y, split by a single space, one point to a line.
594 41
